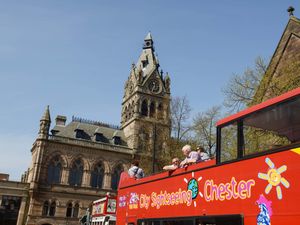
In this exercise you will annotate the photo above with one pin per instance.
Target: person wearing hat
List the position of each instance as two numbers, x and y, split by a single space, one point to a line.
203 155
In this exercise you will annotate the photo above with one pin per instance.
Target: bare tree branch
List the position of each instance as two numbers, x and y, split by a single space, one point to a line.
240 90
204 127
180 112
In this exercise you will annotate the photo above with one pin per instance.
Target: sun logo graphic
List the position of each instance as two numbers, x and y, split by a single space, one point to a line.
193 186
274 177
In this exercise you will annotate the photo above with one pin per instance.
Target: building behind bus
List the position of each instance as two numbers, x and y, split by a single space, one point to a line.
76 163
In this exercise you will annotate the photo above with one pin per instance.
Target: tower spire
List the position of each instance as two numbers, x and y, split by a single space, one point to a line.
148 37
148 42
45 122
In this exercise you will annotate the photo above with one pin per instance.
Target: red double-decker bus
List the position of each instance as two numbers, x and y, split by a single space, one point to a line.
104 211
254 178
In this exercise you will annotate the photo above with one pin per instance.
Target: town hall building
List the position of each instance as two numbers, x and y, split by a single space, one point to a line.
78 162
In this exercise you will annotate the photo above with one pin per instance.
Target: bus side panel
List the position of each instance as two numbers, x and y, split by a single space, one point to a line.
262 188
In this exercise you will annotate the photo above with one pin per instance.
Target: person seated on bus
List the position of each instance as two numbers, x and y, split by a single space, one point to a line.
191 156
135 171
203 155
175 164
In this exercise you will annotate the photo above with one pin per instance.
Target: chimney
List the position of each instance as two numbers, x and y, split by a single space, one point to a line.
61 120
4 176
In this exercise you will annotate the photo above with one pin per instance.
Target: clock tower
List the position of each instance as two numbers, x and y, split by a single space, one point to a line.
146 104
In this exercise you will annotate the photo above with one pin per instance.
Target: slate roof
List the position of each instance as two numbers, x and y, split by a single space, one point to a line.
88 130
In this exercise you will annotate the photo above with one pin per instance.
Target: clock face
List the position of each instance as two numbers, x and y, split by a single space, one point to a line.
154 86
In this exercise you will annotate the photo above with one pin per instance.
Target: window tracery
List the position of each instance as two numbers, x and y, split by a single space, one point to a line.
76 173
54 171
97 176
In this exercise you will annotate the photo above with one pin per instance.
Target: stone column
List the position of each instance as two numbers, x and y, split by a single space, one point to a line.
148 108
86 179
65 175
156 111
136 109
22 210
107 181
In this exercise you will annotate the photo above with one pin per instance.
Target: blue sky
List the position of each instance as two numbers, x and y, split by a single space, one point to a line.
76 55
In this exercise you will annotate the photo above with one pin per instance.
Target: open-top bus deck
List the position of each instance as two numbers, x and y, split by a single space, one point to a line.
254 179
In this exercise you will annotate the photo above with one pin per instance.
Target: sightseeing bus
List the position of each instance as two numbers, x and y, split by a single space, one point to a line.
104 211
254 178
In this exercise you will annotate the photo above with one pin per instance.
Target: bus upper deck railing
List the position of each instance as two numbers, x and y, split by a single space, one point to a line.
126 180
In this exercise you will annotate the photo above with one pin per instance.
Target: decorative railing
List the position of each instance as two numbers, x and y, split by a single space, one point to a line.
93 122
92 144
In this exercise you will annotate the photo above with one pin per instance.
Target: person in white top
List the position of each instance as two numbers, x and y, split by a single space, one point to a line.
135 171
191 156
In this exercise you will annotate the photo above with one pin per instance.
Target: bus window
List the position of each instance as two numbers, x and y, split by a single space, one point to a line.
229 142
220 220
273 127
269 128
204 220
259 139
148 222
178 222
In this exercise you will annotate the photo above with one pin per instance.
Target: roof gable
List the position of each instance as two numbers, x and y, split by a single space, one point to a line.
282 64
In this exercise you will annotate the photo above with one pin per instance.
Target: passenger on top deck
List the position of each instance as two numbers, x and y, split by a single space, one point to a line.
203 155
135 171
191 156
174 166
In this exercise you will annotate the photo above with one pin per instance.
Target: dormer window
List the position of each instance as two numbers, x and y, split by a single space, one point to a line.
99 137
54 132
79 133
117 140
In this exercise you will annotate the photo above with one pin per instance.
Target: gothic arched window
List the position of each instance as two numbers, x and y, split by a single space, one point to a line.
54 171
72 211
97 176
76 210
76 173
159 111
152 109
69 210
144 109
52 209
116 177
45 208
49 209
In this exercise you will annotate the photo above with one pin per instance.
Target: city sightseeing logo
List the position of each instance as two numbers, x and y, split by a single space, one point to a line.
179 197
233 189
193 186
274 178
